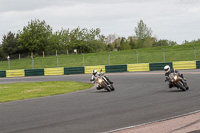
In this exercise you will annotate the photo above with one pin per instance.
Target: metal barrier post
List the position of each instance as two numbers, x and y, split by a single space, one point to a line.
83 60
8 62
195 57
32 60
57 59
108 58
136 55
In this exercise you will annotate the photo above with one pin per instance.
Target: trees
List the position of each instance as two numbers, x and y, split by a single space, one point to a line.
124 45
60 41
9 44
144 35
131 42
164 42
110 38
1 51
142 31
35 37
87 40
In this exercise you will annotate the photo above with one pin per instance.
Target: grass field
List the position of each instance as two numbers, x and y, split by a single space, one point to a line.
19 91
146 55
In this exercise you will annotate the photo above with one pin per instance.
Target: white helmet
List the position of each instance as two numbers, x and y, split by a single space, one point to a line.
167 68
94 72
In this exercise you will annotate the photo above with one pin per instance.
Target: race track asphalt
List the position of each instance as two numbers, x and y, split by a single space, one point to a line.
140 97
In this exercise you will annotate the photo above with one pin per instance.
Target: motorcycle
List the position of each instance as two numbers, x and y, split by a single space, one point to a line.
178 81
102 82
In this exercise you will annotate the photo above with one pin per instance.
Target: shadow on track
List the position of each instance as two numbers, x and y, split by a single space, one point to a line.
176 91
103 91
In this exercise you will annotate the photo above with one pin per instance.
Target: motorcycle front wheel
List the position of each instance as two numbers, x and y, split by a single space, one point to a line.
112 87
181 86
107 88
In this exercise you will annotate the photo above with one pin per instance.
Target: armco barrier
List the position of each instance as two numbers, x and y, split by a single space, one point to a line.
107 69
2 73
116 68
15 73
137 67
88 69
54 71
34 72
74 70
198 64
184 65
159 66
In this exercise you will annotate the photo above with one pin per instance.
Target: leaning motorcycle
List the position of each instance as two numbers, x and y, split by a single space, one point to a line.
178 81
103 83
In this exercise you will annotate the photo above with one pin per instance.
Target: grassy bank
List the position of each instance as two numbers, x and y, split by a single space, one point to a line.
146 55
19 91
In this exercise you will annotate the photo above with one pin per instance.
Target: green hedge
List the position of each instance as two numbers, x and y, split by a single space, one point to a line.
116 68
74 70
34 72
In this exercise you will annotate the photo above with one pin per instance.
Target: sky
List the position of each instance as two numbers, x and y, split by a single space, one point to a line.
175 20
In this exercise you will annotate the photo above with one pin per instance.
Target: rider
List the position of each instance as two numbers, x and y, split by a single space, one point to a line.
167 73
95 74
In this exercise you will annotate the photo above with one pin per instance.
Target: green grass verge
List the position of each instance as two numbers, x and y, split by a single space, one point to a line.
145 55
19 91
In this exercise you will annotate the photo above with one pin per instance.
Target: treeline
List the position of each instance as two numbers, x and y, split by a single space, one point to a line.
38 37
